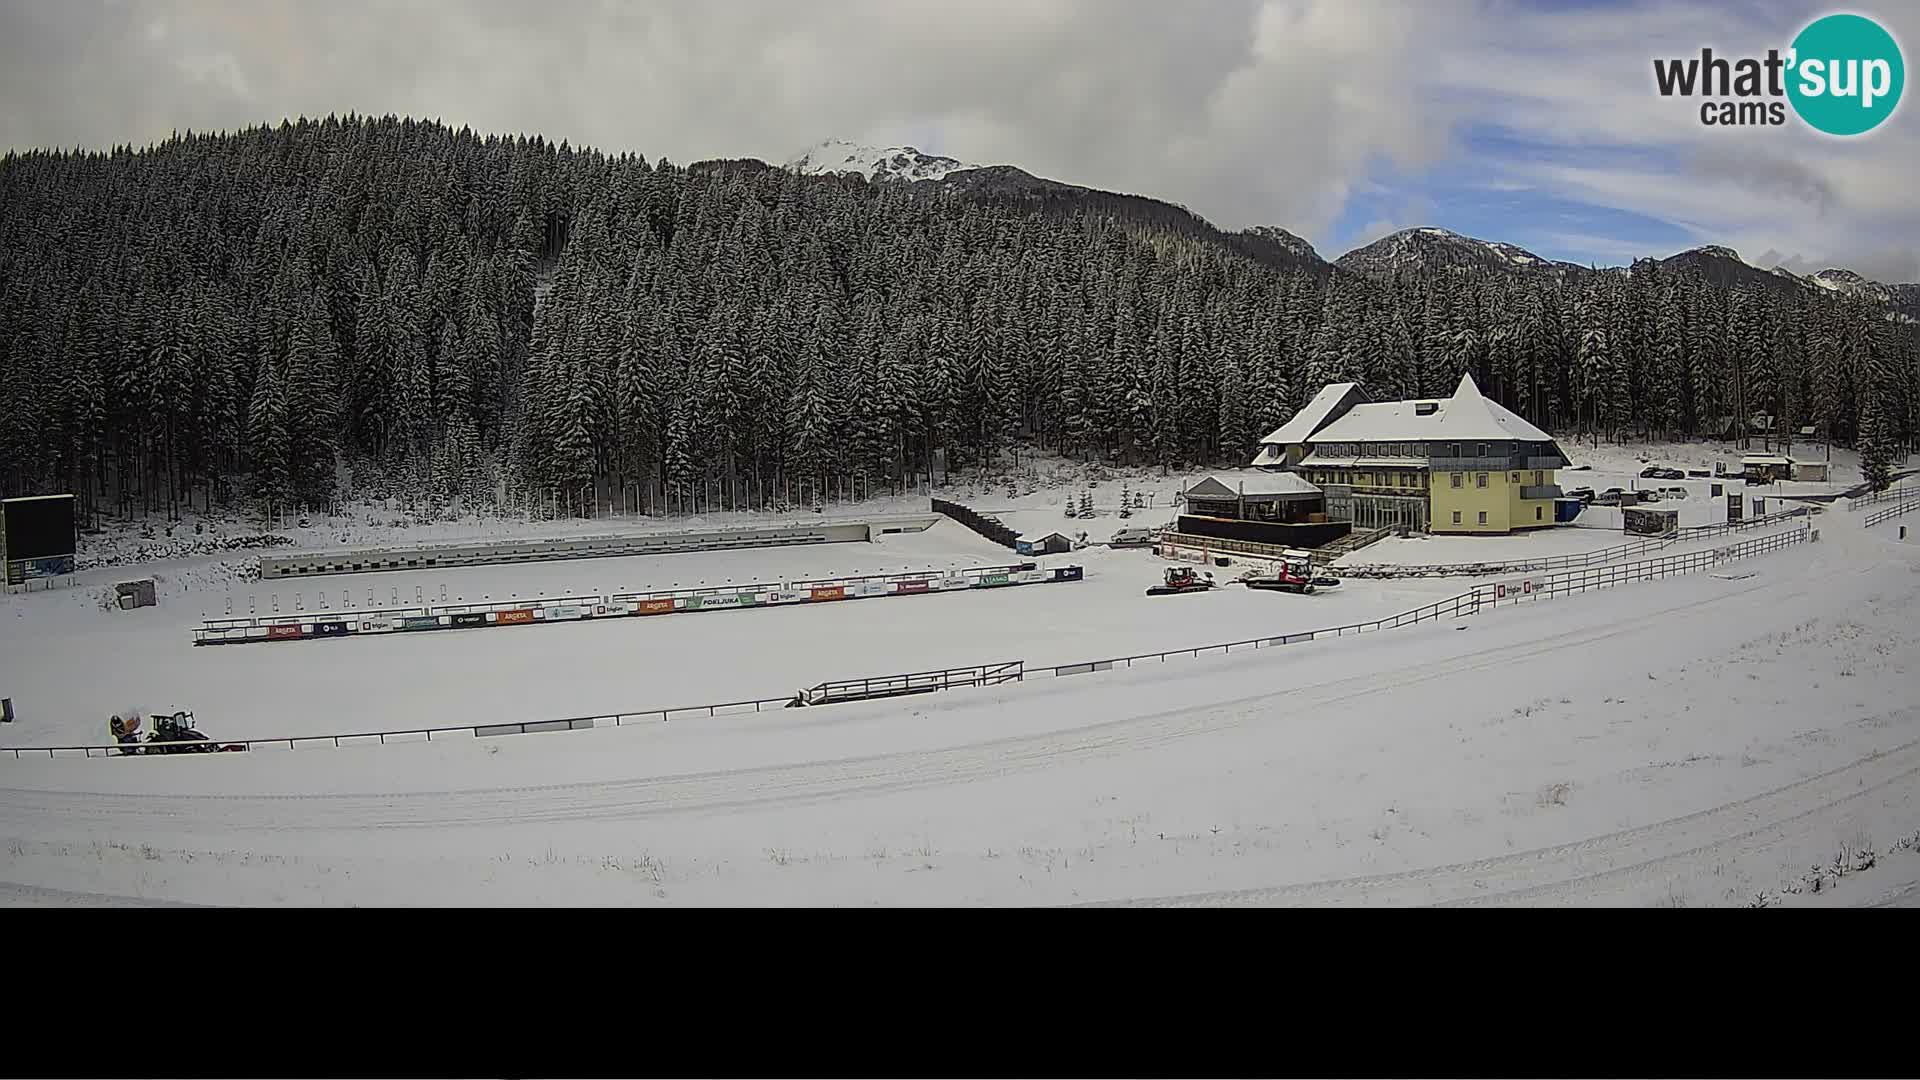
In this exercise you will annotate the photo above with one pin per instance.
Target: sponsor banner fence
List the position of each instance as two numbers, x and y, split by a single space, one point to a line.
575 608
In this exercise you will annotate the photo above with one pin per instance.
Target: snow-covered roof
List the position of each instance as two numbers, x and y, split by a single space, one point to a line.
1305 422
1283 485
1035 538
1767 459
1465 415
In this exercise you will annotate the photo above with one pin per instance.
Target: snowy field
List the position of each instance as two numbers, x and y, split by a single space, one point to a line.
146 658
1698 741
1694 742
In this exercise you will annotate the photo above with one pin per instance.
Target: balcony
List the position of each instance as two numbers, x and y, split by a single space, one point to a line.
1471 464
1540 491
1544 463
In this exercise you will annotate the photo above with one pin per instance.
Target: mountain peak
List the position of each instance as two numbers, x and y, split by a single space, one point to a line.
1430 246
840 157
1717 251
1841 276
1277 235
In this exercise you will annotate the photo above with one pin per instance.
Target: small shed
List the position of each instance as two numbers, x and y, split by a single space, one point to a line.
1043 543
1649 520
134 594
1814 471
1771 466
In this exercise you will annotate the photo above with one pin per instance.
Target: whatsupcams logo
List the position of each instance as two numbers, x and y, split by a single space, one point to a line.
1843 75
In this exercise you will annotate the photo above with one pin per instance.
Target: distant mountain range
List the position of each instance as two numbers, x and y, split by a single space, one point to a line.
1412 249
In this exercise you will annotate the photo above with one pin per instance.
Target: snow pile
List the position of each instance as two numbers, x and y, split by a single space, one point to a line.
120 549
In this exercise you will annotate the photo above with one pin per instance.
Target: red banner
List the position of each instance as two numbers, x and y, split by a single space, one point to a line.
837 592
282 632
909 586
656 607
518 615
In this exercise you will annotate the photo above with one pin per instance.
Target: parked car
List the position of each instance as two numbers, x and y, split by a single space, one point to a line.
1132 538
1609 497
1584 494
1657 472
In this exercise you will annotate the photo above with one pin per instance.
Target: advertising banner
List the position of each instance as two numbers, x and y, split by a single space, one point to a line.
21 571
902 587
283 632
517 615
331 628
835 592
470 618
421 622
654 607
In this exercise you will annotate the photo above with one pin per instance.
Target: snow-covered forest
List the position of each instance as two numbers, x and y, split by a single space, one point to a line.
256 315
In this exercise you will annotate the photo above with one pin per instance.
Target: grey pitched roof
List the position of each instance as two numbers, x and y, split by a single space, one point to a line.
1465 415
1314 414
1259 485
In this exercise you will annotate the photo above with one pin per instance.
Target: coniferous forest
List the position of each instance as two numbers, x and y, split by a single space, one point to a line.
395 305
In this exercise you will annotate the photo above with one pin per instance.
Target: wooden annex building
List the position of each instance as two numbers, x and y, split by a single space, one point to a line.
1280 508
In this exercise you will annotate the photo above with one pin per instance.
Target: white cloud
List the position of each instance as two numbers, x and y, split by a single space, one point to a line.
1249 111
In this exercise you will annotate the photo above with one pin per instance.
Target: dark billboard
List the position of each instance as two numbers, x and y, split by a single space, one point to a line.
38 537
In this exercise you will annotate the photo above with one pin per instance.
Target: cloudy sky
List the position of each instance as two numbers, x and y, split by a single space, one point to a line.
1528 121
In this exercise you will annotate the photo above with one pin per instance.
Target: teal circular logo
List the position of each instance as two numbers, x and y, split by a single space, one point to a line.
1846 74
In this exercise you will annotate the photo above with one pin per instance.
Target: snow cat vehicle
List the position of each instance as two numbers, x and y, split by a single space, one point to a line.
173 733
1293 574
1181 579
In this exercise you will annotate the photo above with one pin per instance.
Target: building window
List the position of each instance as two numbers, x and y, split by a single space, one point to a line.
1483 517
1515 478
1480 480
1483 450
1456 517
1537 481
1537 512
1456 479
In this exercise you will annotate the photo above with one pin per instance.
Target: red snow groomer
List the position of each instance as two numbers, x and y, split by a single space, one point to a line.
1293 574
1181 579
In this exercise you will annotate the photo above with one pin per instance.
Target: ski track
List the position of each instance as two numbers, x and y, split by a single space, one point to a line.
1575 869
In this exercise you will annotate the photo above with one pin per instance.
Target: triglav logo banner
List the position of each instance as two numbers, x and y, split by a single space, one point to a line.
1843 75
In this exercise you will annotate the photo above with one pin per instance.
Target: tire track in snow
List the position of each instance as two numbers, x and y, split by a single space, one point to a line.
1576 868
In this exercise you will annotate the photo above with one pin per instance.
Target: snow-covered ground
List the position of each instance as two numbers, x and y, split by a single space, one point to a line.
146 658
1697 741
1692 741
